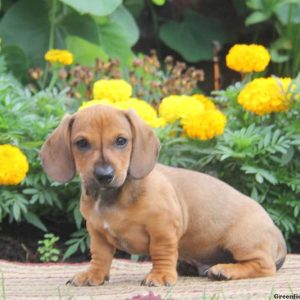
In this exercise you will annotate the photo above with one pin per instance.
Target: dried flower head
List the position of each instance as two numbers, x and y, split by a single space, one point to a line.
35 73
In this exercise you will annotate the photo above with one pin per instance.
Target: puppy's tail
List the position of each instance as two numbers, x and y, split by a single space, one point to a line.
281 250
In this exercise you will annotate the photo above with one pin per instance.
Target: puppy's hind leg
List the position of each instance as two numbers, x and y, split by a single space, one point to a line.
261 264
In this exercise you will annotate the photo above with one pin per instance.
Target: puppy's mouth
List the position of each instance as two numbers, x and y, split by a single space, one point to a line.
95 189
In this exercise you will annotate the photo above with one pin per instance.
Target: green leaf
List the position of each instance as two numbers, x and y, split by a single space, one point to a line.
70 251
278 57
84 52
256 17
287 157
77 217
135 7
127 24
268 176
30 191
35 221
254 194
16 61
279 50
159 2
94 7
82 246
259 178
82 26
288 13
260 174
193 37
16 211
26 24
255 4
115 43
296 211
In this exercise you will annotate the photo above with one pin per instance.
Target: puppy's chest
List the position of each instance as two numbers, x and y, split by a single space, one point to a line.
123 233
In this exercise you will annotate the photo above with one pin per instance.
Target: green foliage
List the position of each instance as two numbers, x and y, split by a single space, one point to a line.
79 241
150 79
258 155
94 7
189 38
25 121
16 61
159 2
285 14
47 250
3 65
106 26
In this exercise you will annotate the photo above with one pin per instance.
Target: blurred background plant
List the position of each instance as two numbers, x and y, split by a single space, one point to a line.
253 145
149 78
283 16
118 29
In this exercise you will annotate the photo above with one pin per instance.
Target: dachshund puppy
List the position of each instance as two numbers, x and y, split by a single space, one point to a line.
132 203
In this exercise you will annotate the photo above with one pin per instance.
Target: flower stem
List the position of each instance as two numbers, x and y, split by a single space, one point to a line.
51 38
53 79
52 24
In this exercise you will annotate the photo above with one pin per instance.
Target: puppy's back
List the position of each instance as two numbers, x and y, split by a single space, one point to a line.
211 203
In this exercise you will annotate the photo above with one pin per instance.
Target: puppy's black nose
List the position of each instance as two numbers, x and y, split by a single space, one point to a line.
104 174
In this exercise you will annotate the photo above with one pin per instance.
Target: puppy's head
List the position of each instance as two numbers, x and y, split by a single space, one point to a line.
104 145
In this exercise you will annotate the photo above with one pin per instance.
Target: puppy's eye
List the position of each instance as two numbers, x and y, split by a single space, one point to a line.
121 141
82 144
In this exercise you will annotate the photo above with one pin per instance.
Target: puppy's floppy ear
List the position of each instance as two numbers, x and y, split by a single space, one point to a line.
56 155
145 147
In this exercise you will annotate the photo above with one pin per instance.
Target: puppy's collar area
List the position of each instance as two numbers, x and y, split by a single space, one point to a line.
108 196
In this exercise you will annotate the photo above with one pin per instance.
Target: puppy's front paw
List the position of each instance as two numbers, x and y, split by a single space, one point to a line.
89 278
155 278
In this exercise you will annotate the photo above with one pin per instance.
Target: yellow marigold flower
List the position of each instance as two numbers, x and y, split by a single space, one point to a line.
173 108
247 58
207 103
59 56
96 102
13 165
157 122
266 95
204 125
112 89
144 110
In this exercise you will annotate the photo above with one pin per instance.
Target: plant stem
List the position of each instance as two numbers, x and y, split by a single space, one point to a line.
51 36
52 24
155 28
53 79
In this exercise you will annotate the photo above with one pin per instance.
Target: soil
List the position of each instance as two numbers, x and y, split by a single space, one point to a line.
19 242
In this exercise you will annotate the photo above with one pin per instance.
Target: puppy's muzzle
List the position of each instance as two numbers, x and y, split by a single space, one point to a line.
104 174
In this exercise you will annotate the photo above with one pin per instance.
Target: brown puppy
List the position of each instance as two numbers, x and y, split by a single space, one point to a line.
131 203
